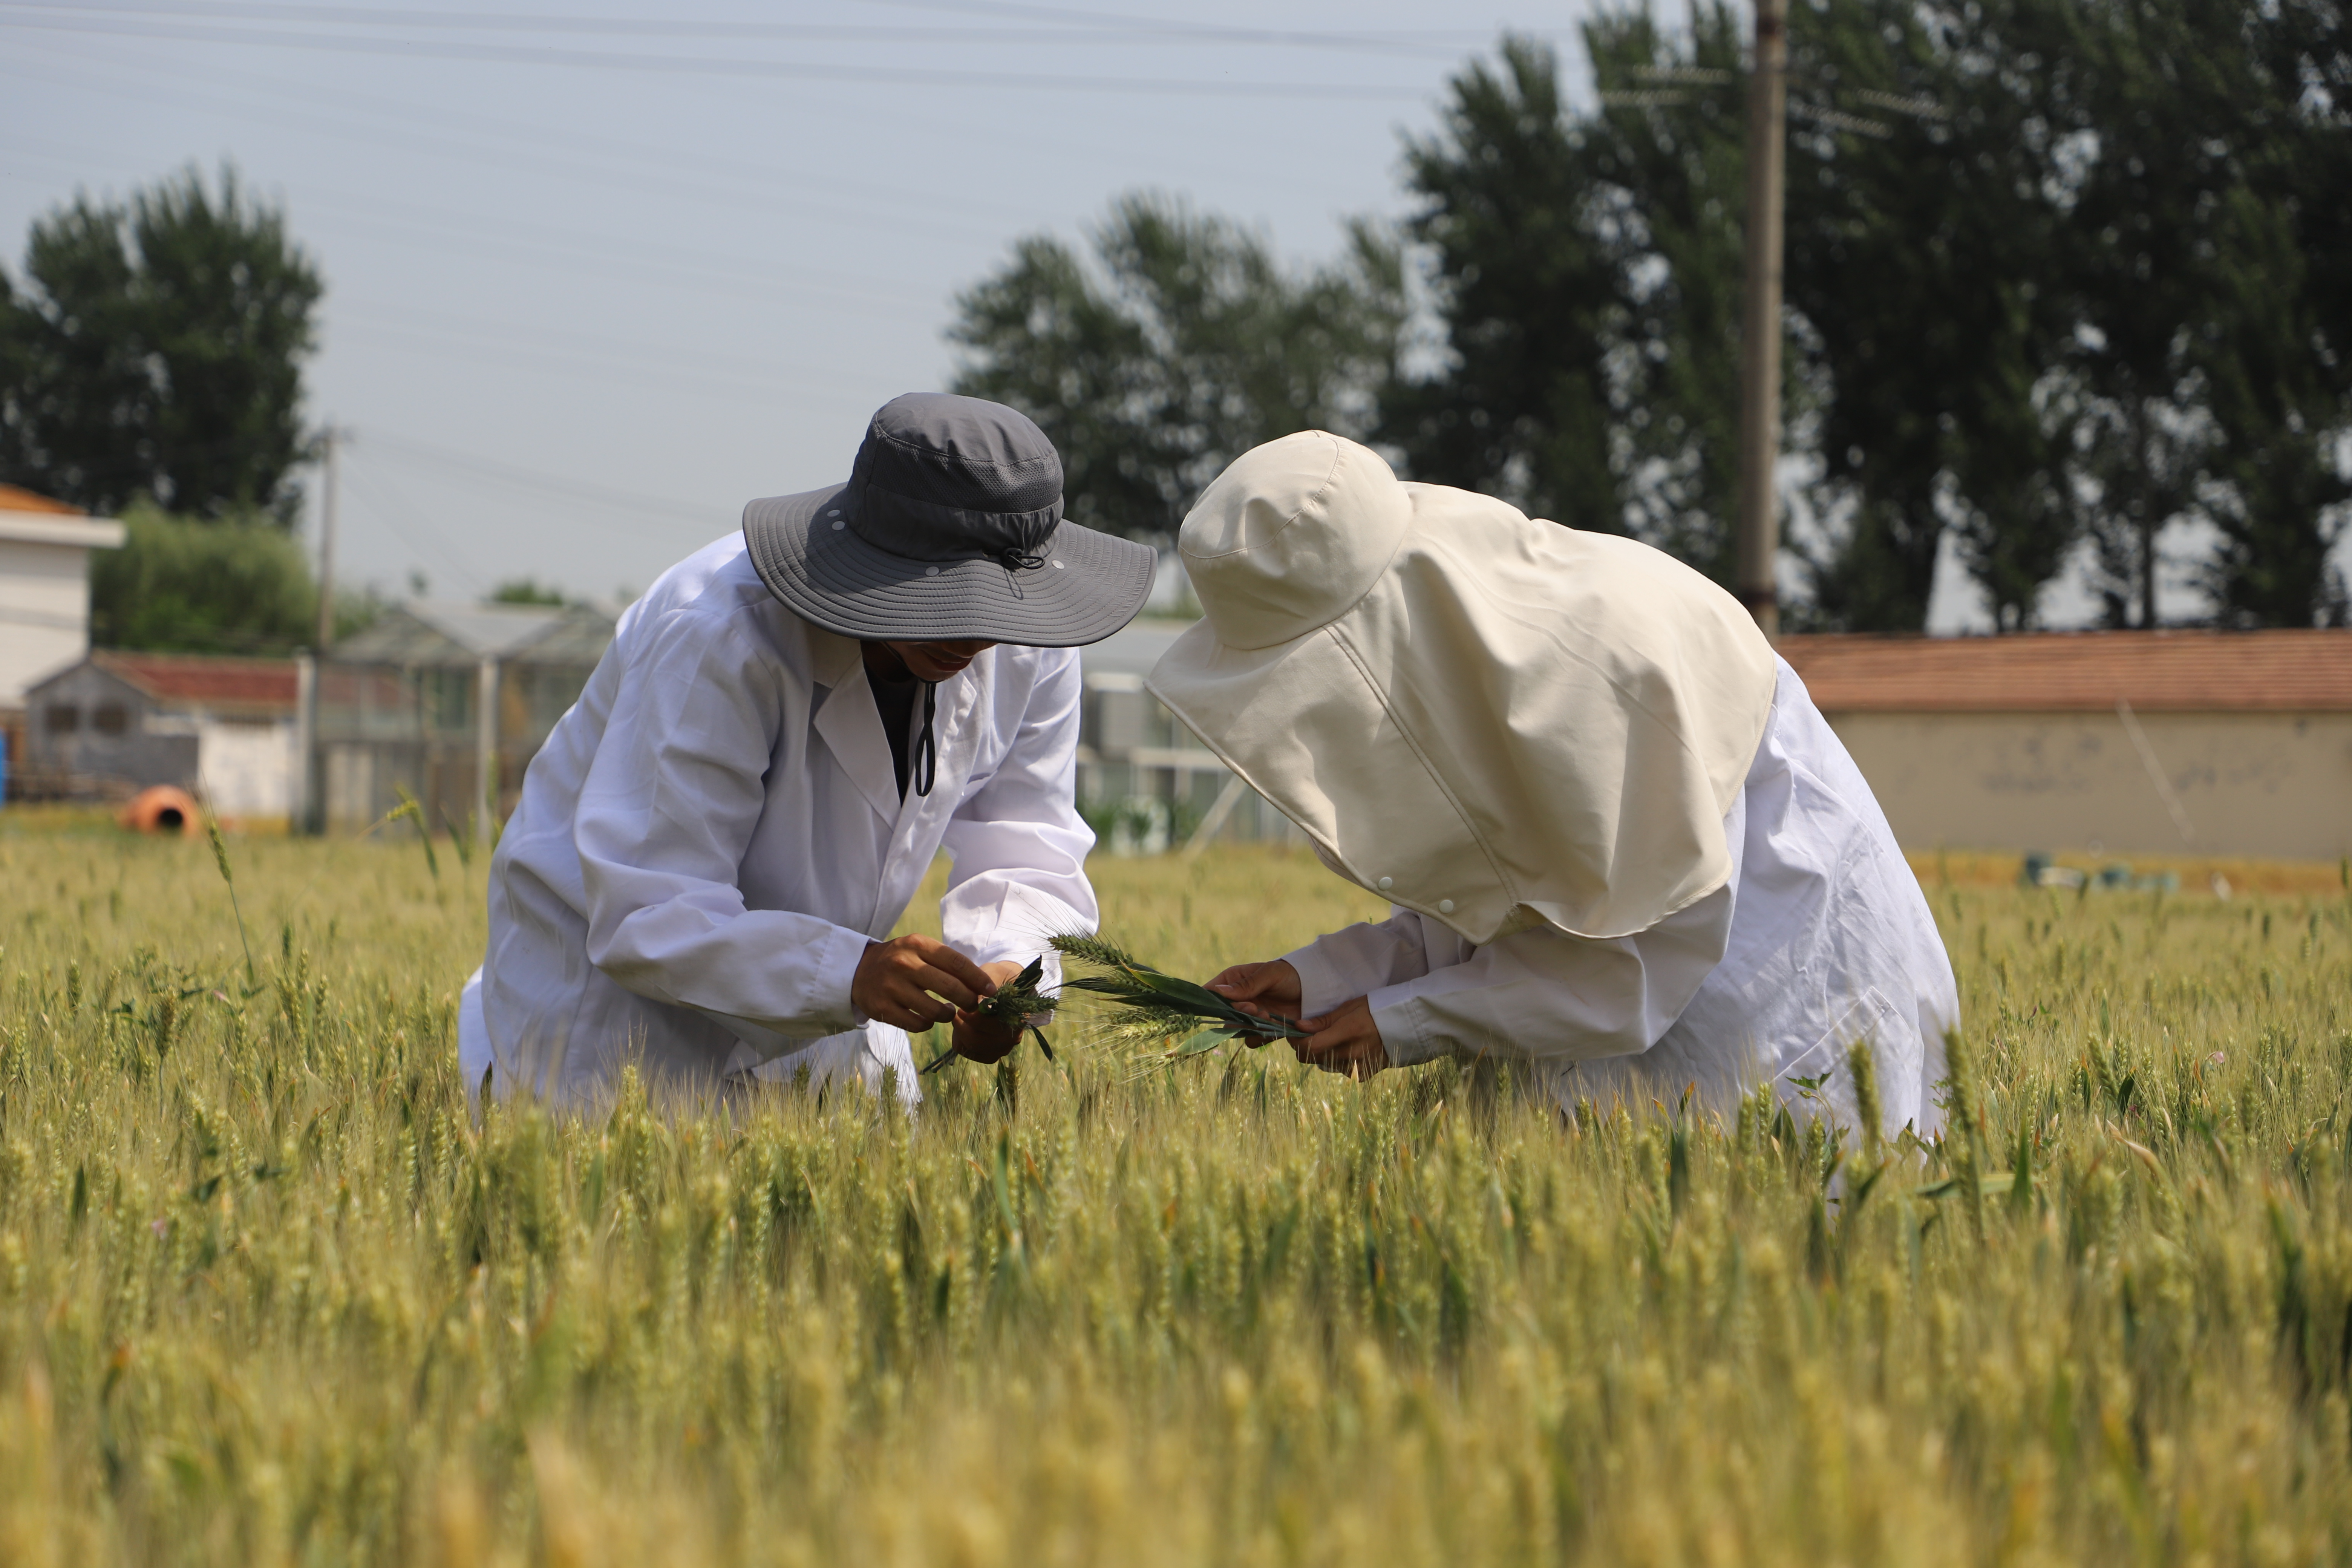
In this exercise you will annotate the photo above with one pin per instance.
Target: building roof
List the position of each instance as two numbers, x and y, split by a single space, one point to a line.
2056 672
29 519
14 497
429 632
246 686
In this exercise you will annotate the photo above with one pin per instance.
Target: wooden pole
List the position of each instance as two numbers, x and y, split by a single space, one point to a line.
314 755
1760 335
485 751
327 547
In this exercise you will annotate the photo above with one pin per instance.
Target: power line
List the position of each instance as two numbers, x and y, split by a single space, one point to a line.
764 373
574 251
572 355
407 521
587 253
674 179
1066 25
707 65
535 478
574 366
559 146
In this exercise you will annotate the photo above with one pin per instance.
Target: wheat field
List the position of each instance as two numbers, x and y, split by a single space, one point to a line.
267 1295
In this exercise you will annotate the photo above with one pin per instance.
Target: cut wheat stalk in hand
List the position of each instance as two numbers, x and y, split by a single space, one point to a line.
1149 1006
1018 1001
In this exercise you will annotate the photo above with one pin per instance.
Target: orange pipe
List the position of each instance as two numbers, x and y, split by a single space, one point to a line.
162 808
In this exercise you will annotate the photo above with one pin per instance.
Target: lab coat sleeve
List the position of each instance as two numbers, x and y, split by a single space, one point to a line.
1018 844
1358 960
1536 994
666 811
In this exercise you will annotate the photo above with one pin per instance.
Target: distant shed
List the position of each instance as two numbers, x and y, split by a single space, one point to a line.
2219 743
114 722
449 702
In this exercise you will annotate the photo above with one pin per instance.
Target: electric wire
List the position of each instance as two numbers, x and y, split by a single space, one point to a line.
712 65
634 501
571 356
407 523
1067 25
443 346
671 174
572 251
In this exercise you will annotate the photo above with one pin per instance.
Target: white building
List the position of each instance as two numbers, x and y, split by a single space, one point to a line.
44 549
1145 783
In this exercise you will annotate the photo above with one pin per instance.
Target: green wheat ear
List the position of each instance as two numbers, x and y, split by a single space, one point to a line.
1092 947
220 858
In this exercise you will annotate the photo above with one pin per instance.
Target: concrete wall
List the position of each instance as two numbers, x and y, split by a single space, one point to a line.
44 612
2266 785
248 767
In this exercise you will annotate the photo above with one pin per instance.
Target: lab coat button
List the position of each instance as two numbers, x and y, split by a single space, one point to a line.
1385 883
1446 906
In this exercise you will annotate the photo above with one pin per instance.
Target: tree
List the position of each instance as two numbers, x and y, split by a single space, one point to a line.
1589 271
1529 297
526 591
223 584
2276 491
155 349
1178 345
2091 289
1917 245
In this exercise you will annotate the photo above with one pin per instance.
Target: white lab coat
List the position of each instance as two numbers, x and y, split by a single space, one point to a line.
1820 940
713 833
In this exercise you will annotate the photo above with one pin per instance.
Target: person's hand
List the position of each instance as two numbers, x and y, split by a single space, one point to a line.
1344 1040
916 982
988 1039
1269 990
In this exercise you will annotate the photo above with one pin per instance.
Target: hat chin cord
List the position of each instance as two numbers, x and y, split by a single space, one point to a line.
926 761
1014 559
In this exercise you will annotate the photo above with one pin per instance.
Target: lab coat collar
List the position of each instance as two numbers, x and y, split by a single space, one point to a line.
851 726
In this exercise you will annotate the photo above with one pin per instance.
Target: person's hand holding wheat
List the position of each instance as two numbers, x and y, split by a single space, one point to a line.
1261 990
988 1036
1343 1040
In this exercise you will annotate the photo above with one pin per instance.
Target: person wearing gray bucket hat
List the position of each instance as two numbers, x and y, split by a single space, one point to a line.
716 841
949 528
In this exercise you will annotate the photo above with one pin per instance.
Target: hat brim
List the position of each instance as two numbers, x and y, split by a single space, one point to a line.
1091 584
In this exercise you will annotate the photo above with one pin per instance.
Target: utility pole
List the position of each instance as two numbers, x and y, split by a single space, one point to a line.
1759 326
313 667
327 545
1760 331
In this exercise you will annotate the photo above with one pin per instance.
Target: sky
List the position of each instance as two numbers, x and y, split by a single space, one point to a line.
599 271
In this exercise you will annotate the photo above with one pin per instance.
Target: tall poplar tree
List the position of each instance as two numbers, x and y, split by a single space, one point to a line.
154 348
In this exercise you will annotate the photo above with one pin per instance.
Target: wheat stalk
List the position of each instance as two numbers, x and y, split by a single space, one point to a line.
1150 1006
1017 1001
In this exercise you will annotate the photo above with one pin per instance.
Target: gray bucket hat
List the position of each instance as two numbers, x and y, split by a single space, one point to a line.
949 528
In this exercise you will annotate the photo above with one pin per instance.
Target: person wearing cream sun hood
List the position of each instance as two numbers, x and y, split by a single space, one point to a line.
1621 845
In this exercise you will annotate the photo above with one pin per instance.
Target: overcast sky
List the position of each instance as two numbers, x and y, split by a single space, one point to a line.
599 271
597 275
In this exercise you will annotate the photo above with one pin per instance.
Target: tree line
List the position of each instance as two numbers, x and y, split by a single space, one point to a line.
2066 285
2062 276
